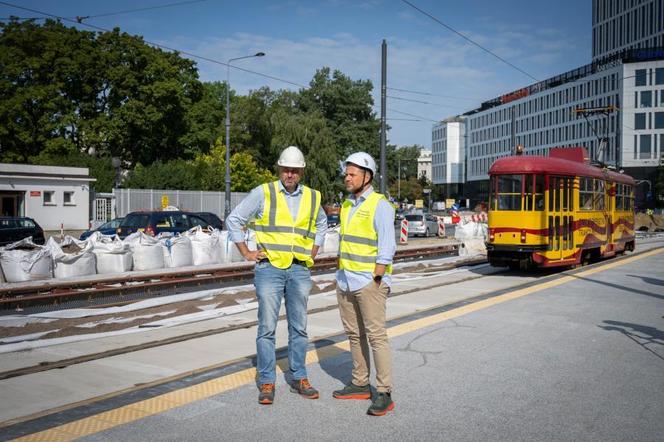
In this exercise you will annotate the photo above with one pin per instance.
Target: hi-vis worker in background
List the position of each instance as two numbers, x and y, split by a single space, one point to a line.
290 228
366 250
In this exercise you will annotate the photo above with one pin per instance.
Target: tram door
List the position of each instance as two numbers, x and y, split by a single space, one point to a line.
560 220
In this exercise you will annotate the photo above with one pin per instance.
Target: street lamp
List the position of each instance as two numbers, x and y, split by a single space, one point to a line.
227 208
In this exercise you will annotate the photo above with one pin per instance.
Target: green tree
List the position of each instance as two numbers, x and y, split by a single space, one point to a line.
347 107
108 93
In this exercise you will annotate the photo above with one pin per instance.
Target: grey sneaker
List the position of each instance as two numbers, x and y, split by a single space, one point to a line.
266 396
304 388
381 405
352 391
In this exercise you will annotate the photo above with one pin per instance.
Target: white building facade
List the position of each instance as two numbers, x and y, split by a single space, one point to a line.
55 197
625 89
424 164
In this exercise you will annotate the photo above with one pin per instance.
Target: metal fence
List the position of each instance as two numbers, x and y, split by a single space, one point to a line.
129 200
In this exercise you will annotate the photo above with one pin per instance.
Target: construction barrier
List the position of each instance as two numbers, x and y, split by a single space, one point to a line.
403 237
441 227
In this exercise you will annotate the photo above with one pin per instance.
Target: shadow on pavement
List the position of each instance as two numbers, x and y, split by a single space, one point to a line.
643 335
653 281
339 366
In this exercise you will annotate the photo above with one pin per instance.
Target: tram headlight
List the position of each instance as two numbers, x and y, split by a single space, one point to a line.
523 235
492 235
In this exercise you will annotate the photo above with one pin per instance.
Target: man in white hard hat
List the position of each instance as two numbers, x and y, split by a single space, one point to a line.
290 228
366 250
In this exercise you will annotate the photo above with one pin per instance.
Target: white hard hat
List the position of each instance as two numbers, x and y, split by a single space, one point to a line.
363 160
291 157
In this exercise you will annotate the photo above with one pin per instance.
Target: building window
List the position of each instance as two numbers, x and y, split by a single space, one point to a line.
640 77
659 75
49 198
659 120
644 146
68 199
646 99
639 121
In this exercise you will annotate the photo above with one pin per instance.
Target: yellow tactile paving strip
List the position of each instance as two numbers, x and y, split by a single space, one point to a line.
177 398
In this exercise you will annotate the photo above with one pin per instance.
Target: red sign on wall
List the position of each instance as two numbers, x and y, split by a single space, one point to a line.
35 193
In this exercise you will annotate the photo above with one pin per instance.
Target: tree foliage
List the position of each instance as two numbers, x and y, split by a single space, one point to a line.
76 98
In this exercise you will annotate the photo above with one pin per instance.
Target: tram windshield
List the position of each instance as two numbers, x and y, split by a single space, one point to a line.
517 192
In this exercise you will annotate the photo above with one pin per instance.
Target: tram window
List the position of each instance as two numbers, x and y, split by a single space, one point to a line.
508 190
586 193
528 193
559 185
565 190
598 195
620 192
539 192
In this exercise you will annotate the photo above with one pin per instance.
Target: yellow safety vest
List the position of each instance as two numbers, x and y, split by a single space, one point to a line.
358 243
281 238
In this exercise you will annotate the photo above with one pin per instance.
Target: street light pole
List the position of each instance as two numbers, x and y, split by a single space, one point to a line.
227 193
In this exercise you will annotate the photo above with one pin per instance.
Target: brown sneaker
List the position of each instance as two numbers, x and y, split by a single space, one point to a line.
303 387
266 396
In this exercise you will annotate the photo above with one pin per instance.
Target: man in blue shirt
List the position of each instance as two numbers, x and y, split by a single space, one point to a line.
367 246
290 228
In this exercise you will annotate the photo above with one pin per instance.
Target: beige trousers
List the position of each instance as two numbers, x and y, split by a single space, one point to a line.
363 317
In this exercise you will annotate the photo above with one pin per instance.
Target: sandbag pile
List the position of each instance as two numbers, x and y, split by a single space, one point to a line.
72 257
207 246
473 235
112 254
177 250
146 250
26 261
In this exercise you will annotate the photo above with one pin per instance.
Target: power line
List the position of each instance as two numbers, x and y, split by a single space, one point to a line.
413 115
419 101
211 60
432 95
468 39
148 8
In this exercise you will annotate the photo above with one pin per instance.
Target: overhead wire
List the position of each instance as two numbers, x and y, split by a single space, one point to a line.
190 54
468 39
412 115
147 8
432 95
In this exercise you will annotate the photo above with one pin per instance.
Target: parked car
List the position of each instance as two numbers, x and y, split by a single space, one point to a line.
212 219
157 221
108 228
14 229
333 220
423 225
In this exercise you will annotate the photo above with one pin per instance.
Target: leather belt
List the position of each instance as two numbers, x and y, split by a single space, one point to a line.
295 261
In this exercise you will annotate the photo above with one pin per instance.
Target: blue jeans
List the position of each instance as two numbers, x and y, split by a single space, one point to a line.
293 285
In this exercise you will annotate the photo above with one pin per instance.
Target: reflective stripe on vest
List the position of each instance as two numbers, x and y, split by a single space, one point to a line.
358 242
281 238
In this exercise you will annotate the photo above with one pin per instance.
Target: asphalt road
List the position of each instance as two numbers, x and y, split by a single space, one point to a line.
581 358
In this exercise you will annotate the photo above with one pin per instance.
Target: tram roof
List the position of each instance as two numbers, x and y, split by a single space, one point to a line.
553 166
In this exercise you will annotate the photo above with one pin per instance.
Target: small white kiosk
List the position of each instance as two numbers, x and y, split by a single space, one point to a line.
55 197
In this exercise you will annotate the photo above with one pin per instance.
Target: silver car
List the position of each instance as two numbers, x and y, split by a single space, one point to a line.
422 225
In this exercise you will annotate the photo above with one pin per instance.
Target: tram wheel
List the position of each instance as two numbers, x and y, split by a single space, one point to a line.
514 265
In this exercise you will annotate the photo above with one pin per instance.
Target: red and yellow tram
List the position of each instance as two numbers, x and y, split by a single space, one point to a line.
557 210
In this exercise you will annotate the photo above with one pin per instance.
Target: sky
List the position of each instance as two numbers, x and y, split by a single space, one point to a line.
540 37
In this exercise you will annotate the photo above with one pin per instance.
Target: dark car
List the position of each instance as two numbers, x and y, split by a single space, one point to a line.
157 221
332 220
14 229
212 219
108 228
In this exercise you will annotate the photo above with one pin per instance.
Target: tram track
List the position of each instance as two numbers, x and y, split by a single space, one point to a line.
63 363
112 291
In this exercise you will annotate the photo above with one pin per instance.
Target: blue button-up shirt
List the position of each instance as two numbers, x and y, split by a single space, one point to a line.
251 208
384 225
